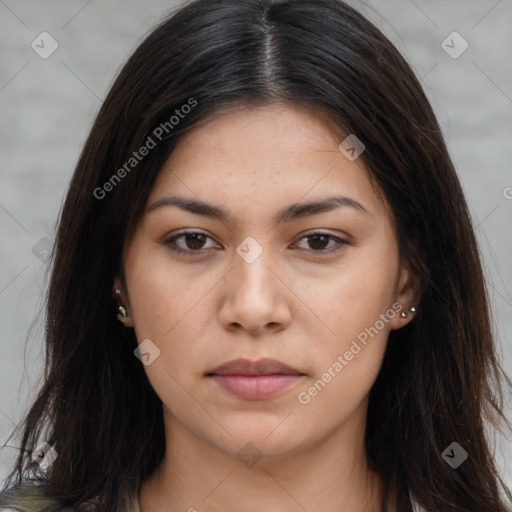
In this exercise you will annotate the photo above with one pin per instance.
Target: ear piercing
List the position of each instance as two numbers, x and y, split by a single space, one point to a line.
121 309
412 309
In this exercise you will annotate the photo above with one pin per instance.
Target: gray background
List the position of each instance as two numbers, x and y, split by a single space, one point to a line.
47 107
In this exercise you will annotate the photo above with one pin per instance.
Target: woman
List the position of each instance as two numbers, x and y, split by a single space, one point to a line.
266 289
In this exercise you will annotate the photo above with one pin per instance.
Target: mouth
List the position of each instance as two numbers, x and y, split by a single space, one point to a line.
255 380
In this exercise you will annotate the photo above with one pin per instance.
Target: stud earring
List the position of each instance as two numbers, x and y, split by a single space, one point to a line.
121 309
412 309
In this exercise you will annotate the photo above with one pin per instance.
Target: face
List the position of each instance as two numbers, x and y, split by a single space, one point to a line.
257 275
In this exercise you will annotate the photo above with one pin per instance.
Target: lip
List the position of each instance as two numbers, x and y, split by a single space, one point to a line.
255 380
265 366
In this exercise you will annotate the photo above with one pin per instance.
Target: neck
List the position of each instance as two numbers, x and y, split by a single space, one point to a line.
331 475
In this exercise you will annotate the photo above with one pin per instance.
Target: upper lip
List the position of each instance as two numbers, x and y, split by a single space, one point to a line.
261 367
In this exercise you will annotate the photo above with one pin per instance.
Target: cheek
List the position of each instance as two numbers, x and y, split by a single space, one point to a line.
166 307
171 304
353 295
356 308
161 294
346 363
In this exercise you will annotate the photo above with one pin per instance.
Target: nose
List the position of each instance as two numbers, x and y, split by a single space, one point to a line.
256 297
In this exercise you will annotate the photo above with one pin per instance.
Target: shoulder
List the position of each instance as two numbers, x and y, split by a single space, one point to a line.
34 497
28 497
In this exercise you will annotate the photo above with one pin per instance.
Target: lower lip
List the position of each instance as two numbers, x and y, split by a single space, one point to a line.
255 387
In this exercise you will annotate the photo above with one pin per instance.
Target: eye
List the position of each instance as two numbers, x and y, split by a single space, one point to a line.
193 242
317 241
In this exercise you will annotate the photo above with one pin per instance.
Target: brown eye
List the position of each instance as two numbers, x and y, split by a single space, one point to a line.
318 242
191 242
194 243
194 240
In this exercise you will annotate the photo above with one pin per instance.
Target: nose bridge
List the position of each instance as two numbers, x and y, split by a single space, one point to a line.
254 294
252 265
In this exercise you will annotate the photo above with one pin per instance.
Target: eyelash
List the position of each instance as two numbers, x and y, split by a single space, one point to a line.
170 241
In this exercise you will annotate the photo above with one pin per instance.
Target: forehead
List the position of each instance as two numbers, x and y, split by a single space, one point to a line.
263 154
282 130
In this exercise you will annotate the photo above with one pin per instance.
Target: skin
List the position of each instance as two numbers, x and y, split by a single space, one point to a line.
294 303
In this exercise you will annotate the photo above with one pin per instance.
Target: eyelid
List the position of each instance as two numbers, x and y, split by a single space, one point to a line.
168 240
341 242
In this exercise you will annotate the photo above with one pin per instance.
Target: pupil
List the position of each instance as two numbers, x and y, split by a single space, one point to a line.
197 238
315 240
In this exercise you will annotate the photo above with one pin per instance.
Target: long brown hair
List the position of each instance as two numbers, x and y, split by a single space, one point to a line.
440 380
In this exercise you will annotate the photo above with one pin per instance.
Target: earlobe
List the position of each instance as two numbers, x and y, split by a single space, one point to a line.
122 309
406 315
407 298
412 309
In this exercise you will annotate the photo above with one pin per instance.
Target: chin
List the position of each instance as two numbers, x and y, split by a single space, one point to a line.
263 444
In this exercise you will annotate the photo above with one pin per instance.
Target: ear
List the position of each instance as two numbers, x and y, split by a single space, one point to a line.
119 292
407 295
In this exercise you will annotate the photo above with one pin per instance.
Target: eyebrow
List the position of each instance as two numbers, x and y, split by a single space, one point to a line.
287 214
